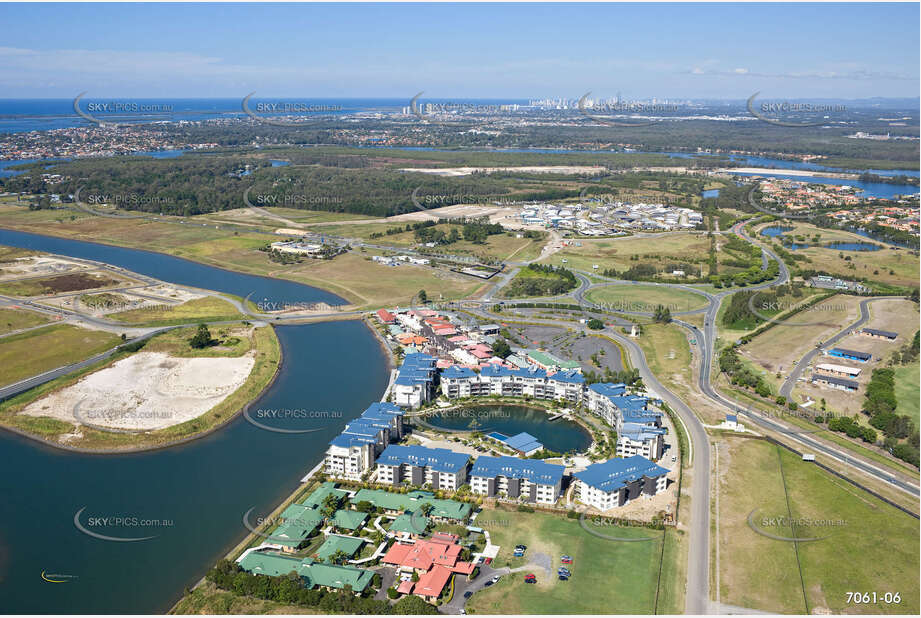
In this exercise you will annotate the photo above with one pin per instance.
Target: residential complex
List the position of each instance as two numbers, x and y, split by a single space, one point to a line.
615 482
417 465
531 479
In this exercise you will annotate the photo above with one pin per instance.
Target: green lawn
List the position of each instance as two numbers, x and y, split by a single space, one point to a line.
609 577
16 319
208 309
865 545
36 351
906 391
646 298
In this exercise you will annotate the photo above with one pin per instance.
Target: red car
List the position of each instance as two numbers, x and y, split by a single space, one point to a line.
566 559
488 561
530 578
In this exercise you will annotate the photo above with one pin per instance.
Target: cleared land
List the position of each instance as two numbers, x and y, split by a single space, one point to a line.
36 351
57 285
17 319
239 342
607 576
646 298
796 499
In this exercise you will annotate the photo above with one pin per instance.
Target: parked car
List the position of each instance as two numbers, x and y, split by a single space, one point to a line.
521 547
488 561
563 571
530 578
488 584
495 579
563 578
468 594
566 559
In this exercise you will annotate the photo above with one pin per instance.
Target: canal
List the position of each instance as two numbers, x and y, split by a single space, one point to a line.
191 498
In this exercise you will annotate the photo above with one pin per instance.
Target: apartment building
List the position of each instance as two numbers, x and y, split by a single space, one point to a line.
415 381
532 480
636 439
417 465
353 452
616 482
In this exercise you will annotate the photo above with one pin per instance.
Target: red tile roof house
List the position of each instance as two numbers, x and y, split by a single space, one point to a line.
435 560
385 316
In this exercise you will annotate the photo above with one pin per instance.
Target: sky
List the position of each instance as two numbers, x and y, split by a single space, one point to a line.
493 51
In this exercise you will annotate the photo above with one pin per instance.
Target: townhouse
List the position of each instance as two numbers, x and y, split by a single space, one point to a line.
616 482
885 335
531 479
854 355
417 465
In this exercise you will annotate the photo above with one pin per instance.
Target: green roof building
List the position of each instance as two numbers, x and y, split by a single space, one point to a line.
316 499
349 520
312 572
409 524
444 509
300 522
549 361
349 545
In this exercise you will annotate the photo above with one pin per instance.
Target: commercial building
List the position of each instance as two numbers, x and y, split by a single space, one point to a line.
532 480
353 452
879 334
616 482
839 371
853 355
841 384
418 465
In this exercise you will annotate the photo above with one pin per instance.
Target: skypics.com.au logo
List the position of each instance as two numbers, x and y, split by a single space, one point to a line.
798 113
441 111
286 113
100 113
113 527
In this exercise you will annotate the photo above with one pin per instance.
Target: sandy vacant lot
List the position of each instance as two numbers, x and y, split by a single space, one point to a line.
147 391
38 265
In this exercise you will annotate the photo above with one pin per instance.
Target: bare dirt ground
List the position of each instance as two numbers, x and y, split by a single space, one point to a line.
39 265
146 391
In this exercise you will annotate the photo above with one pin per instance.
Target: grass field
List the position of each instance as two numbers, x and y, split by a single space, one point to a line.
207 309
616 253
36 351
8 254
906 391
889 265
646 298
756 571
235 340
16 319
360 282
609 577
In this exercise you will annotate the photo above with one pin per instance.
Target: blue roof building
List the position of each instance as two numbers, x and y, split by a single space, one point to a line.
418 465
531 480
854 355
522 442
615 482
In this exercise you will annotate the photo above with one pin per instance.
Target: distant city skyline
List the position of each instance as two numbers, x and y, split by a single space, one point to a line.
462 51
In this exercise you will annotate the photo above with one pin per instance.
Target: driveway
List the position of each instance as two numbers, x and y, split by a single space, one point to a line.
388 577
461 585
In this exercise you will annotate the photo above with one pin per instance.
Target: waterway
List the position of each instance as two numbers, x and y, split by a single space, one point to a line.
198 491
559 435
